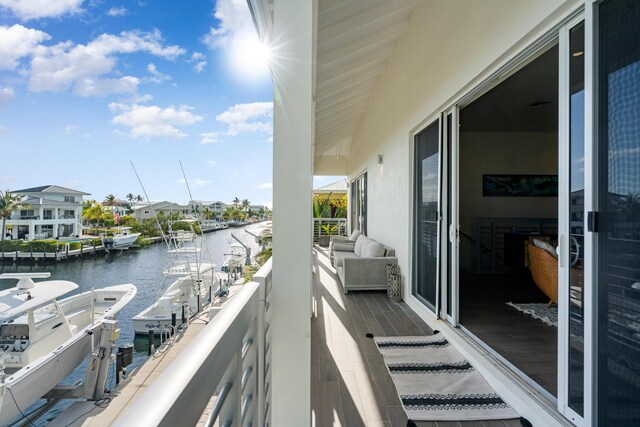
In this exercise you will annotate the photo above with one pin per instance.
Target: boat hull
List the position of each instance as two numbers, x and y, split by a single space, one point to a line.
26 385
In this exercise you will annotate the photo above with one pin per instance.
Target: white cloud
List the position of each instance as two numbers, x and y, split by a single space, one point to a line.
117 11
3 129
156 76
235 22
212 163
196 182
73 183
199 62
266 186
70 128
150 120
17 42
5 179
6 95
33 9
209 138
253 117
85 68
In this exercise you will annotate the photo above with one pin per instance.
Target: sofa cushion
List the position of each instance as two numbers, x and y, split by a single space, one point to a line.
338 257
546 246
354 236
362 240
373 249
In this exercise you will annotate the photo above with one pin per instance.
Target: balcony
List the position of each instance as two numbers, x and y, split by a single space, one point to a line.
225 376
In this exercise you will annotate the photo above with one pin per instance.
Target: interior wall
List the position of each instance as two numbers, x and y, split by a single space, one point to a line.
502 153
450 47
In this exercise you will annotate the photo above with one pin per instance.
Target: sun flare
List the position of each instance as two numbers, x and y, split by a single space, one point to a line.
250 58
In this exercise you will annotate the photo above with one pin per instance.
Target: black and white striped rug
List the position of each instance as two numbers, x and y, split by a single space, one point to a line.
435 382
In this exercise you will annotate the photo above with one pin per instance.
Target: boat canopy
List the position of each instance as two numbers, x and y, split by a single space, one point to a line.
16 301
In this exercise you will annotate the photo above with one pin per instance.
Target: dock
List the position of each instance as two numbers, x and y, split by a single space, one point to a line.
63 254
96 414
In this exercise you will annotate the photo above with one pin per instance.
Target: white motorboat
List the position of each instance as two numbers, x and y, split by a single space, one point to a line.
122 238
194 284
236 258
42 340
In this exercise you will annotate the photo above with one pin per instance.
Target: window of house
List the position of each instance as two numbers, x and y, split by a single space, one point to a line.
69 199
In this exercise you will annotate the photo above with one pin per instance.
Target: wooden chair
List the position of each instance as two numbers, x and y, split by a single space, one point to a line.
544 269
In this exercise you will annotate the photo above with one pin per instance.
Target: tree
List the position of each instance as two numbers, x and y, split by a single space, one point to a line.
139 198
110 200
131 197
94 214
8 202
236 202
246 206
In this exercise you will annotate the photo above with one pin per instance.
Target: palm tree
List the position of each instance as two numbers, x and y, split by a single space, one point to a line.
246 205
94 214
8 202
139 198
131 197
236 202
110 200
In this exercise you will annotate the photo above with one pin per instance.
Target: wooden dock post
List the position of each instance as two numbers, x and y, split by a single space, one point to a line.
67 251
150 342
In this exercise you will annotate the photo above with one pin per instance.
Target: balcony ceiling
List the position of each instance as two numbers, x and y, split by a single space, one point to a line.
355 40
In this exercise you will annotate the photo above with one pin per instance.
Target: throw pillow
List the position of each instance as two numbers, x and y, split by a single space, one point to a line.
546 246
373 249
362 239
354 236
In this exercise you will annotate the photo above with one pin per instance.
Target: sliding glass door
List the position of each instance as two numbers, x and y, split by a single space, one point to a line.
615 220
359 204
427 216
571 221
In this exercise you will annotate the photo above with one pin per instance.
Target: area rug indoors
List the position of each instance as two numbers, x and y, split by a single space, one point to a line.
540 311
435 382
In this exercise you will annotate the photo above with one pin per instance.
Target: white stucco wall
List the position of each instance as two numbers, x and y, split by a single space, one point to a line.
450 47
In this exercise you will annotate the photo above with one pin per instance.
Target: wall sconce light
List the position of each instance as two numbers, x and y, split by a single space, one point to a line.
379 159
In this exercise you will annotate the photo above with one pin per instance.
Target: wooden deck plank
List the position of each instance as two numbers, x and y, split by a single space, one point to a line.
356 388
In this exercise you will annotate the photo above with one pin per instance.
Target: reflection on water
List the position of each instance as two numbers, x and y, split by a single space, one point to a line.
142 267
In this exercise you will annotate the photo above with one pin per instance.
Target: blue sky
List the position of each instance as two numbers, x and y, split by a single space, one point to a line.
88 85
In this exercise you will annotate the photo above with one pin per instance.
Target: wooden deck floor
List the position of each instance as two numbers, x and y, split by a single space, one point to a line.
350 383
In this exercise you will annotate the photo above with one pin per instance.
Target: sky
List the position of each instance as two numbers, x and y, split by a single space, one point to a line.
88 86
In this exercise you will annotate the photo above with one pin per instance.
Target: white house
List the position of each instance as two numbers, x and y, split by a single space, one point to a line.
46 212
144 211
216 207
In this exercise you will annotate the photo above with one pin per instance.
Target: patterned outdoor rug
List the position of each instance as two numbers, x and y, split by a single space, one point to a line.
540 311
435 382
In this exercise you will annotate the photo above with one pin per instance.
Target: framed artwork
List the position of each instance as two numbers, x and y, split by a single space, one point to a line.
520 185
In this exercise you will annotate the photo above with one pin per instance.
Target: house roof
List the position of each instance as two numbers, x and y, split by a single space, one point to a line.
335 187
53 189
31 200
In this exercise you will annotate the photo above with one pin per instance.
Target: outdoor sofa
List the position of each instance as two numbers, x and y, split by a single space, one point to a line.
361 264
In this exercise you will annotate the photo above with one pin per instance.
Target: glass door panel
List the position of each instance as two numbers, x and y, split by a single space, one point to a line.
426 215
617 270
575 247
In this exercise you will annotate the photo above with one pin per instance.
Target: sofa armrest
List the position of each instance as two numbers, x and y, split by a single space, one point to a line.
369 272
345 247
341 239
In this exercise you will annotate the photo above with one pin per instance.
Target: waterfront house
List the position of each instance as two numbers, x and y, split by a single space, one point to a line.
215 207
142 211
464 128
47 212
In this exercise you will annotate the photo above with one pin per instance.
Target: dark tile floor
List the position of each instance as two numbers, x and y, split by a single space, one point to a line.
526 342
350 383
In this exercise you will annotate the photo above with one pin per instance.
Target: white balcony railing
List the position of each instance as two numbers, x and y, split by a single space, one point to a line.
229 360
329 226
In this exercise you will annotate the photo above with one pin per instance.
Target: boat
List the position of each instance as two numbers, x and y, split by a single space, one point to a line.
122 238
195 283
43 339
235 259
